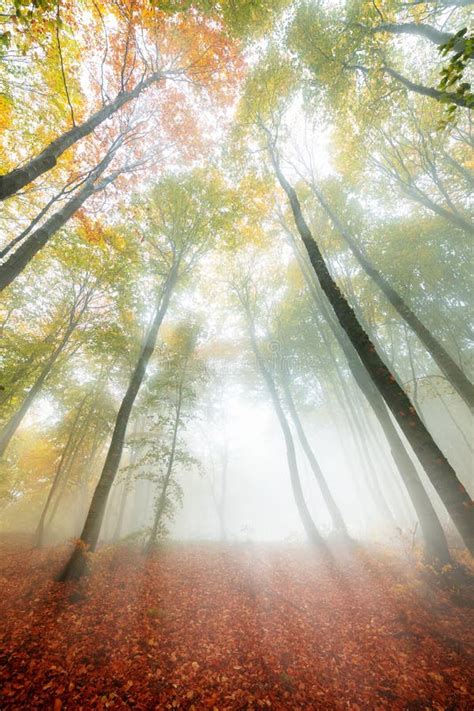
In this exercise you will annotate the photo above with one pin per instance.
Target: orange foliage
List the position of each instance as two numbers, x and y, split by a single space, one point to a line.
91 230
241 627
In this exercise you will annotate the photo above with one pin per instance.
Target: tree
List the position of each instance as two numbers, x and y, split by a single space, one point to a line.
86 278
335 47
446 364
179 223
36 240
214 434
39 535
336 516
441 474
436 547
243 292
180 375
178 48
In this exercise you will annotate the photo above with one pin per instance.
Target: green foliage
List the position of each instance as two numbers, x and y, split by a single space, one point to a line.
461 49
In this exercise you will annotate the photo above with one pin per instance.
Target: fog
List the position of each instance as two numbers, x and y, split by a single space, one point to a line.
236 384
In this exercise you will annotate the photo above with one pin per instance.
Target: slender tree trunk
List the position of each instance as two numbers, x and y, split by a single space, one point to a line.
77 564
15 420
441 96
223 498
443 360
375 443
345 407
414 28
312 532
68 467
370 469
88 467
334 512
23 255
110 513
454 218
444 97
39 535
123 499
17 179
443 477
345 401
160 507
416 400
436 546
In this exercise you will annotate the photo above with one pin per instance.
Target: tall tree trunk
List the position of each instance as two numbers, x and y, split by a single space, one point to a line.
334 512
443 477
346 403
393 484
39 535
17 179
443 360
75 449
312 532
77 564
160 507
436 546
23 255
15 420
345 407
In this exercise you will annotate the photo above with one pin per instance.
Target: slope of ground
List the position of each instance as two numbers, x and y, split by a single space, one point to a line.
231 627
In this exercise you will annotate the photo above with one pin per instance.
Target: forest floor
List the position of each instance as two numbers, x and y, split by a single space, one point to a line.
208 626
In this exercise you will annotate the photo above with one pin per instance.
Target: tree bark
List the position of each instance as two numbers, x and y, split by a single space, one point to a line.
443 477
443 360
22 256
436 546
77 564
17 179
15 420
444 97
